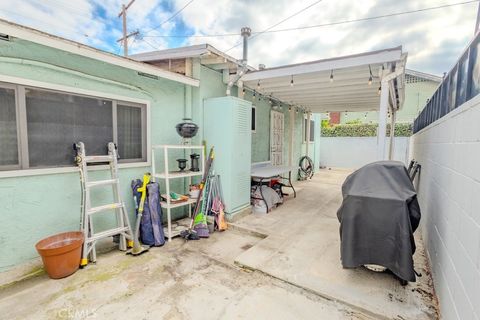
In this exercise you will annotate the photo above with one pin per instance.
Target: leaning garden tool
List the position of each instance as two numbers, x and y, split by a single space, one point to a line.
137 246
190 233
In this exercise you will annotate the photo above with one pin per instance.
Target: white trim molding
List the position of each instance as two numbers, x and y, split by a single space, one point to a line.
42 38
74 90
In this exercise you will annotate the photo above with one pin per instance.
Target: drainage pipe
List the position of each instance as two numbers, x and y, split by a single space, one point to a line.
246 32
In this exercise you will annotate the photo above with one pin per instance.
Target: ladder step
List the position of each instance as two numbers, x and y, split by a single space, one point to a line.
104 207
101 183
93 159
107 233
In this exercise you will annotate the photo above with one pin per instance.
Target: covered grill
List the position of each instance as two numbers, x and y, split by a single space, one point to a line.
378 216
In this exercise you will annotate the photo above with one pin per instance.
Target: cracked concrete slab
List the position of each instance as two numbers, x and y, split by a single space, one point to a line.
303 248
182 280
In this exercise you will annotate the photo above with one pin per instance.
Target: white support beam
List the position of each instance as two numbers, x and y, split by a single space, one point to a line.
382 120
370 58
391 147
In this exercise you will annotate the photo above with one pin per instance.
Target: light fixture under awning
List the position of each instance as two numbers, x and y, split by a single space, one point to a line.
351 90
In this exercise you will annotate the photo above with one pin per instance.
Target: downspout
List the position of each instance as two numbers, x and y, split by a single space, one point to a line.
246 32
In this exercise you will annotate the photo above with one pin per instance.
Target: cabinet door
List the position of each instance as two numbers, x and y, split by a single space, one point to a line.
241 155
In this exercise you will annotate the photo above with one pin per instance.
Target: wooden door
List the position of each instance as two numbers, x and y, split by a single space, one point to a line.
276 137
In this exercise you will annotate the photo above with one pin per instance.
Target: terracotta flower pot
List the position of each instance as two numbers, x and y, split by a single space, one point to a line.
61 253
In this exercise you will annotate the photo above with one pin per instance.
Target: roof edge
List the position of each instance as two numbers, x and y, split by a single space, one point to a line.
46 39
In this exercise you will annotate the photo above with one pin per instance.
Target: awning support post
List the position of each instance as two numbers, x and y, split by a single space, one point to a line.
382 120
391 147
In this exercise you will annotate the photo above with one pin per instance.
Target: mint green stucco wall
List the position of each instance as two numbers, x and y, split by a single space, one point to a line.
261 136
416 95
32 207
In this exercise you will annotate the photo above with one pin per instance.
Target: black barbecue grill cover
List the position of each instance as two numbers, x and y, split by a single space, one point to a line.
378 216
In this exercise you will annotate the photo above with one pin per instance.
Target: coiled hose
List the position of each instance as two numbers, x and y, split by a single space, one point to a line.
306 168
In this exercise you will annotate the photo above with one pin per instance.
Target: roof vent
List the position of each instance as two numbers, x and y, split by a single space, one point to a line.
4 37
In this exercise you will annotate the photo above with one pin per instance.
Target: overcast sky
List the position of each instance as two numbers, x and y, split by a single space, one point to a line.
433 39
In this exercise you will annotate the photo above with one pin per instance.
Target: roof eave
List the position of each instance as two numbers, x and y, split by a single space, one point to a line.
36 36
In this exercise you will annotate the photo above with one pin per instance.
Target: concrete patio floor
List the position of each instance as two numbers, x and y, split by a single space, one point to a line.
283 265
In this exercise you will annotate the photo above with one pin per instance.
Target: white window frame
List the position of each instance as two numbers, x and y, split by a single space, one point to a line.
254 108
17 116
304 130
20 83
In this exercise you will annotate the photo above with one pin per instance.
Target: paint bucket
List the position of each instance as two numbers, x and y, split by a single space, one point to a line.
61 253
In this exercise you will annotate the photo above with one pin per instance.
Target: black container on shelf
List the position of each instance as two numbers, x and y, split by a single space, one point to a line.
194 157
182 164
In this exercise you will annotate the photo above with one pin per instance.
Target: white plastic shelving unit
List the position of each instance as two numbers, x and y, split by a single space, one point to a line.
168 175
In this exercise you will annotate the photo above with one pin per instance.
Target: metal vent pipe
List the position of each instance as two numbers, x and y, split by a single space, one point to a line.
245 32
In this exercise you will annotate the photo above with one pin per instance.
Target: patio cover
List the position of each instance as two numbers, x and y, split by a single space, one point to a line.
314 91
371 81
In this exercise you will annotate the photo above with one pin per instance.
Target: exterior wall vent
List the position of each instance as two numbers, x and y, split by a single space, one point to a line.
147 75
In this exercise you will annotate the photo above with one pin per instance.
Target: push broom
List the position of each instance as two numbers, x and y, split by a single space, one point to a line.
195 233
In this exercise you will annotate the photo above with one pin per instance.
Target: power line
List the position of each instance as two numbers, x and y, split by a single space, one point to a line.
320 25
376 17
151 45
172 17
276 24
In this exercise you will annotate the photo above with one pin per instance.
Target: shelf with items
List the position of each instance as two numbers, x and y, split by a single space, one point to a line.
167 174
178 174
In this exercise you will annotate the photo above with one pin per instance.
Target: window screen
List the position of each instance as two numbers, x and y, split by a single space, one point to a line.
305 130
312 130
8 128
57 120
254 119
129 120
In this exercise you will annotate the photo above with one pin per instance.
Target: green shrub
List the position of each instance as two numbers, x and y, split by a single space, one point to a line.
364 130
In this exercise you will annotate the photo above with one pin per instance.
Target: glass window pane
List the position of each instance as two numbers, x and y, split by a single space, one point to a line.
312 130
475 69
55 121
8 128
253 118
129 128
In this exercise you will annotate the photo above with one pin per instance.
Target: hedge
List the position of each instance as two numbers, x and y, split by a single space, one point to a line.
364 130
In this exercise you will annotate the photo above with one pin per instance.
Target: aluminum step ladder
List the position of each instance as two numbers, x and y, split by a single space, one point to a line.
123 229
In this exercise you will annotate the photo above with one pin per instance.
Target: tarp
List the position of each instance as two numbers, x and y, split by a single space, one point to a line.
151 228
378 216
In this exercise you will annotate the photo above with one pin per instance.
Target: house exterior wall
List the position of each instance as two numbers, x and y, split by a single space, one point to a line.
416 95
35 206
448 191
261 136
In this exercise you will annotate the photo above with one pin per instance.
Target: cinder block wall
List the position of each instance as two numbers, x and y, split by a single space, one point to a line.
449 193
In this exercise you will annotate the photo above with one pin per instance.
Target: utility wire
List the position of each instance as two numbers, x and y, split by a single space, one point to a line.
276 24
171 18
320 25
151 45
